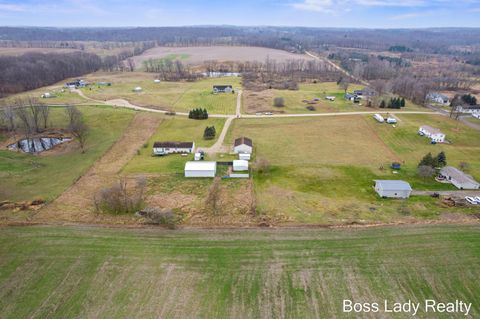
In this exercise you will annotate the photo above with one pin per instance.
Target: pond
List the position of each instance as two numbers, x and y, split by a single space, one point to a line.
37 144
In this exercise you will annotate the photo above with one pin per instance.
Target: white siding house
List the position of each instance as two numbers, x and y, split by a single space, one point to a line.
438 98
459 178
471 109
393 189
165 148
433 133
222 89
243 145
200 169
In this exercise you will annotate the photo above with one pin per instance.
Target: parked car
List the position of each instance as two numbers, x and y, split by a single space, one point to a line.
471 200
268 113
477 198
258 113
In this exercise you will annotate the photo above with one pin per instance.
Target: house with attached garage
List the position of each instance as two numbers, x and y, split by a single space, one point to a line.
223 89
433 133
364 93
393 189
458 178
243 145
165 148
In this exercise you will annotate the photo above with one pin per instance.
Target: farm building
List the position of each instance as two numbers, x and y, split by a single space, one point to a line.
223 89
433 133
137 89
243 145
200 169
437 98
240 165
458 178
364 93
393 189
156 81
472 109
330 98
165 148
244 156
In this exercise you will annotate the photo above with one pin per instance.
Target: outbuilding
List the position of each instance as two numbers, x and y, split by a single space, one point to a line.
200 169
137 89
244 156
240 165
243 145
393 189
458 178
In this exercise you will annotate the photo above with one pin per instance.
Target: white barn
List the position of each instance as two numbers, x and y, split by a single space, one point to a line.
243 145
433 133
393 189
459 178
165 148
240 165
200 169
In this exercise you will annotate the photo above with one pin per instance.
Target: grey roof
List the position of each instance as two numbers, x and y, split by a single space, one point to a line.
457 175
173 144
430 129
394 185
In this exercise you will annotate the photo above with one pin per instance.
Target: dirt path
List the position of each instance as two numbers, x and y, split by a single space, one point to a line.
76 203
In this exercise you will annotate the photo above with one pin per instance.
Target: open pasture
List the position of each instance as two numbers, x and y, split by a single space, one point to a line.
52 272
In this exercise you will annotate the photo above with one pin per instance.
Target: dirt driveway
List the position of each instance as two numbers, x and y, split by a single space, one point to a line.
76 203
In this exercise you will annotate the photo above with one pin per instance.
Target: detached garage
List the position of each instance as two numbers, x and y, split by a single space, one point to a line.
200 169
240 165
393 189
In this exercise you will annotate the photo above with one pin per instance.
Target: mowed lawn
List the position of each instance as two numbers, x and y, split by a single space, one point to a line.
53 272
174 96
27 177
177 129
322 169
263 101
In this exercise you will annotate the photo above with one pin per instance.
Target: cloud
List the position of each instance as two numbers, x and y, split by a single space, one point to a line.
327 6
11 7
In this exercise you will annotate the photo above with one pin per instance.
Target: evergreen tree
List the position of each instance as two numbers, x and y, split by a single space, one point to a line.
382 104
402 102
427 160
442 159
209 133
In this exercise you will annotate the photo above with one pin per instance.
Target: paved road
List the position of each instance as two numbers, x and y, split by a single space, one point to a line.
462 118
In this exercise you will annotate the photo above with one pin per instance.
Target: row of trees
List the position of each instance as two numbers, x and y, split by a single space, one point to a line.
171 70
198 114
428 165
394 103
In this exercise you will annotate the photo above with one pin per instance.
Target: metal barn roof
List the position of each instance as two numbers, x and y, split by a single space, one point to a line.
394 185
200 166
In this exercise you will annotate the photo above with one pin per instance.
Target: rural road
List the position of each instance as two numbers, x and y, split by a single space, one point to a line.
460 193
337 67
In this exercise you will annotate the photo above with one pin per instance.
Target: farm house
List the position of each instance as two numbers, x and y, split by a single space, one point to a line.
458 178
223 89
200 169
243 145
393 189
433 133
165 148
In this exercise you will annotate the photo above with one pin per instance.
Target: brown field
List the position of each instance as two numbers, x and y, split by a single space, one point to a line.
20 51
198 55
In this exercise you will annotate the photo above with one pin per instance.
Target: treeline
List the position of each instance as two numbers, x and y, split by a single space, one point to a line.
34 70
171 70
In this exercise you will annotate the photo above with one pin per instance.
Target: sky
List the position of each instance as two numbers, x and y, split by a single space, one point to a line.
310 13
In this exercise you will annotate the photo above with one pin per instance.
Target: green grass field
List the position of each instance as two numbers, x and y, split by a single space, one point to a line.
322 169
263 101
176 96
26 177
53 272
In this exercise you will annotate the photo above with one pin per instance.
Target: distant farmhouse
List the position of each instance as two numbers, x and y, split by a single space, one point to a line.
364 93
393 189
165 148
472 109
458 178
243 145
352 97
223 89
76 84
433 133
438 98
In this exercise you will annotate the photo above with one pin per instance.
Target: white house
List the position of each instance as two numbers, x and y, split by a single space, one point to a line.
243 145
471 109
433 133
165 148
459 178
240 165
200 169
438 98
222 89
393 189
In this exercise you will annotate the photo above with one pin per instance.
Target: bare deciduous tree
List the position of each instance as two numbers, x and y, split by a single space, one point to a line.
425 171
76 125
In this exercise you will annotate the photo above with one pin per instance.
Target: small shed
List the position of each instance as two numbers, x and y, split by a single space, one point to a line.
200 169
137 89
243 145
393 189
156 81
244 156
459 178
240 165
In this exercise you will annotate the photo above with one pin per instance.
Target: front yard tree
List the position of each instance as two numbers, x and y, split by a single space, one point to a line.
425 171
442 159
427 160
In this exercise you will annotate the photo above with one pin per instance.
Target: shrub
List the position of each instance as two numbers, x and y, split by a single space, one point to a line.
157 216
262 166
120 199
279 102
